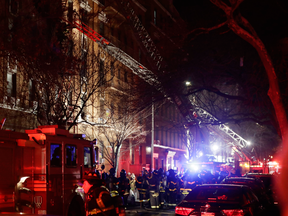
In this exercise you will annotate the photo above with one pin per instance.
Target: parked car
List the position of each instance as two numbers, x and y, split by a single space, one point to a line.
220 199
255 184
268 180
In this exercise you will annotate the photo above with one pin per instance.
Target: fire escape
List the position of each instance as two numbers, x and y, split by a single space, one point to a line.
188 108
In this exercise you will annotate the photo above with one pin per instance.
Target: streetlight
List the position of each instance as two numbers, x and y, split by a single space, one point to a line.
214 147
188 83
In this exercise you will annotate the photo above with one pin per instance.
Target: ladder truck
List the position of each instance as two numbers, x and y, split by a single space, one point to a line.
188 108
42 170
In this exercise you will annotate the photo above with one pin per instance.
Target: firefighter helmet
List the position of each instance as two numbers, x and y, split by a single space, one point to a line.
123 173
100 202
93 178
155 172
112 171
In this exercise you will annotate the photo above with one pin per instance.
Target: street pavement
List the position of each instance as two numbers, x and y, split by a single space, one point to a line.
137 211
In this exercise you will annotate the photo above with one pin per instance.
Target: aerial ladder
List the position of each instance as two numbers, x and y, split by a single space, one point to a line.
189 112
189 109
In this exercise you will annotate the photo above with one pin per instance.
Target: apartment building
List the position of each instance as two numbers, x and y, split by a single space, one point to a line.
98 73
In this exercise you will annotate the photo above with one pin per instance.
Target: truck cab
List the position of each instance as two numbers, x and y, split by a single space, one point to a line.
46 166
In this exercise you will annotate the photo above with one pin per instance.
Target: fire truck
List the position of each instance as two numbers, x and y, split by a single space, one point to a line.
41 171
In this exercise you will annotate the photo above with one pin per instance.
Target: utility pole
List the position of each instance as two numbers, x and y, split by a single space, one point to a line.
152 138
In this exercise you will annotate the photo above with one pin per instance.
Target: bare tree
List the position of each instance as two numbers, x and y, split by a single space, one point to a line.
59 69
241 27
122 122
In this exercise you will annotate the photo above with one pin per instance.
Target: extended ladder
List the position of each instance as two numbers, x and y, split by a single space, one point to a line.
191 112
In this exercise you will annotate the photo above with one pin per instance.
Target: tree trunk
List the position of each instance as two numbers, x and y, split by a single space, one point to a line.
274 92
117 153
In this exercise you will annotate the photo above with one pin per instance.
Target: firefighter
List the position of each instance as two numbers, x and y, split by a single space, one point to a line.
22 189
162 185
223 174
172 188
154 190
104 175
183 192
112 183
124 186
98 200
146 184
141 190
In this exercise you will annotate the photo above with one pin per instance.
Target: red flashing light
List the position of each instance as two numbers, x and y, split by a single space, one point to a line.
233 212
140 67
183 210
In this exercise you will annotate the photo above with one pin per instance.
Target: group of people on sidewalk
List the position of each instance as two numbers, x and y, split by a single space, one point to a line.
157 189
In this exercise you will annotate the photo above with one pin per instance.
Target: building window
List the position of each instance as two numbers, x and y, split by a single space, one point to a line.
162 135
119 35
13 6
155 17
55 155
132 155
102 73
69 98
112 31
156 163
157 134
119 76
132 79
32 90
112 69
70 155
83 71
101 28
125 42
11 84
126 76
87 157
140 154
174 139
96 155
102 110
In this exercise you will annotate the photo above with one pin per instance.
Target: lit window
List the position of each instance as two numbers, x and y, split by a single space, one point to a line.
87 157
32 90
55 155
155 17
11 84
70 155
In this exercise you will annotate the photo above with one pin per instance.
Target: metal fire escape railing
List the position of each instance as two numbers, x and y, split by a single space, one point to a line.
186 106
143 35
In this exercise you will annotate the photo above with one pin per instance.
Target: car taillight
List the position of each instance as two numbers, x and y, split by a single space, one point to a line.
233 212
183 210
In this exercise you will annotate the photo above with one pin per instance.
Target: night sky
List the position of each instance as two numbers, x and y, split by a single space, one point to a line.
215 56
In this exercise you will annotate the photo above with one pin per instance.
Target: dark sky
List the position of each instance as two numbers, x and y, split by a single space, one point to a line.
268 17
219 51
